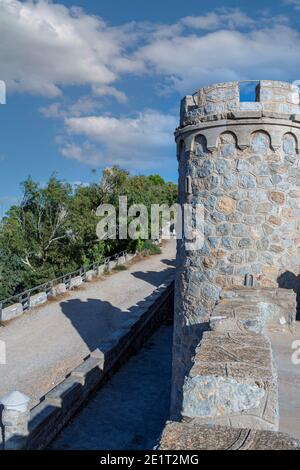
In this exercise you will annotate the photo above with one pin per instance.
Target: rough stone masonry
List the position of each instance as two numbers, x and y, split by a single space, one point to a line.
240 160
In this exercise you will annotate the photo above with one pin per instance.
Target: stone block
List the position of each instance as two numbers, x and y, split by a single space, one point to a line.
112 265
66 394
101 269
13 311
253 106
75 282
246 114
57 290
90 372
90 275
194 436
225 396
232 382
257 307
279 97
37 299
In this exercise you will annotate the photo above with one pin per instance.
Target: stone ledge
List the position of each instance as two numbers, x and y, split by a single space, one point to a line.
233 382
245 114
254 308
193 436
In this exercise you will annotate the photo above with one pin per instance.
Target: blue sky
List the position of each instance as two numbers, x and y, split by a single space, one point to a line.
91 84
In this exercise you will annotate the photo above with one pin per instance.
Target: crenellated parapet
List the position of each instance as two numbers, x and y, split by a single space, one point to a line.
222 100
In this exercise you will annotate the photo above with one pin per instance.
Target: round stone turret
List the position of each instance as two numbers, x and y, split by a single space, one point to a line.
241 161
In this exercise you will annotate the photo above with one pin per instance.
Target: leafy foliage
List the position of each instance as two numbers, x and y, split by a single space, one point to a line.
53 230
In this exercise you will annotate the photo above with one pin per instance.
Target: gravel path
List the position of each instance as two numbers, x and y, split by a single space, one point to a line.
129 412
45 344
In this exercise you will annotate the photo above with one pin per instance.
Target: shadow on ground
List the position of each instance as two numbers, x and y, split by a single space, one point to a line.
289 280
95 319
153 277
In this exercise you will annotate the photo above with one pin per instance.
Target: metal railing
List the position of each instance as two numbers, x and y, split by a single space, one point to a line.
24 297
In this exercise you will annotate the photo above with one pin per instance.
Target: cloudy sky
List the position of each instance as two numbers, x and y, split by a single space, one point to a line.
96 83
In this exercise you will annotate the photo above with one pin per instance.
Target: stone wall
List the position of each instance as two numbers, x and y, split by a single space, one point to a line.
240 161
230 395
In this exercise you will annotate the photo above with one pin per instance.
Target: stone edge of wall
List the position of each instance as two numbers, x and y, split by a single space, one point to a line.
193 436
57 407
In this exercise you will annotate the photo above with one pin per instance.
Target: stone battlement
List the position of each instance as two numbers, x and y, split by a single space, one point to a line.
273 99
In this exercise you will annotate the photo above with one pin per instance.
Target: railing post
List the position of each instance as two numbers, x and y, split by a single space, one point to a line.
15 418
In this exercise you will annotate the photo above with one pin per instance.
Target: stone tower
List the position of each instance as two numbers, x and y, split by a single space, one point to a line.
240 160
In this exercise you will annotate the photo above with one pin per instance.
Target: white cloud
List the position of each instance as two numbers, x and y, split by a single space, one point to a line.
110 91
84 105
224 18
294 3
46 45
186 62
141 142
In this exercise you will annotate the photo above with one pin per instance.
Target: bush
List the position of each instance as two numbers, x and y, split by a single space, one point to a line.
120 267
151 248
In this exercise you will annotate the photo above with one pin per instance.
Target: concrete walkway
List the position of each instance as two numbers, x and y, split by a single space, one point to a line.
129 412
45 344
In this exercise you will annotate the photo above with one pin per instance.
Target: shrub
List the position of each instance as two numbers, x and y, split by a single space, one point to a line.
120 267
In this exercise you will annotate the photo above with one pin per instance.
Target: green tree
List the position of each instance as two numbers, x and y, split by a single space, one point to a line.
53 230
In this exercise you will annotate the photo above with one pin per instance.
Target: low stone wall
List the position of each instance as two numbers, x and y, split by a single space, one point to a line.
60 404
233 379
13 311
192 436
